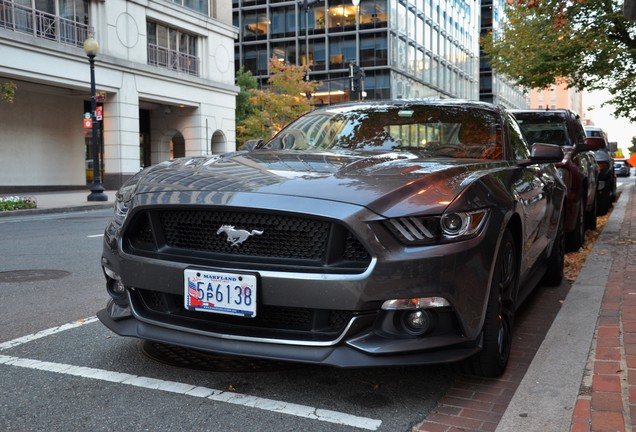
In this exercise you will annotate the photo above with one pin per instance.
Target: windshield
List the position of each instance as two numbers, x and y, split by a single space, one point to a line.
449 131
544 128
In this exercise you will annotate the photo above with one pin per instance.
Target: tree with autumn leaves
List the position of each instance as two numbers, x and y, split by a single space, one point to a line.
267 110
588 44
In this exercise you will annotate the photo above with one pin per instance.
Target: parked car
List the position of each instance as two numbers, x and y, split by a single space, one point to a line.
607 177
622 168
578 169
364 234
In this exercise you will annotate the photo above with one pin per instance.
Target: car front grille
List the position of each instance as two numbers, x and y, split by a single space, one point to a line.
270 322
271 241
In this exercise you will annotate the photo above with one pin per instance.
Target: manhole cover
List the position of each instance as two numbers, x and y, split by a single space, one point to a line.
18 276
192 359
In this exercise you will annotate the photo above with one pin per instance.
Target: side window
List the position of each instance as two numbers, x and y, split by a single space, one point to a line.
517 141
579 132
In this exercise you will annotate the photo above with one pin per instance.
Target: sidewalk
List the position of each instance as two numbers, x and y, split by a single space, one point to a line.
573 361
61 202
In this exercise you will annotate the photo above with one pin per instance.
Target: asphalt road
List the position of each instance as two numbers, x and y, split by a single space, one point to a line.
61 370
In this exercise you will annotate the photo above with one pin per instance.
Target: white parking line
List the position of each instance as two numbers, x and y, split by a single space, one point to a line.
45 333
95 235
177 387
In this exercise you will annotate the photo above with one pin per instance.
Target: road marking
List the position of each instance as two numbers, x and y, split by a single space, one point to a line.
272 405
45 333
95 235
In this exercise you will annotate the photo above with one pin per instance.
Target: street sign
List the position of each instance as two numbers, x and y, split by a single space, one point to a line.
88 123
87 115
99 113
100 96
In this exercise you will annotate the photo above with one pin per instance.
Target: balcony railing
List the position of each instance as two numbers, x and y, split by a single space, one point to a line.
174 60
41 24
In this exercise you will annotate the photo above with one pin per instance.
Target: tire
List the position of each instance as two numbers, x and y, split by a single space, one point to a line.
574 239
556 261
590 216
604 202
492 360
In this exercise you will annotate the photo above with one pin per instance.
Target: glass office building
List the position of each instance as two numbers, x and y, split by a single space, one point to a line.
495 88
406 48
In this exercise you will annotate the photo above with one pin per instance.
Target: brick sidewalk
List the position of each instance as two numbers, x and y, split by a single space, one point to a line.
607 397
477 404
607 401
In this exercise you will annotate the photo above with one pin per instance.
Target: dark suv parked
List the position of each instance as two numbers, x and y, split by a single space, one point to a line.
578 169
606 177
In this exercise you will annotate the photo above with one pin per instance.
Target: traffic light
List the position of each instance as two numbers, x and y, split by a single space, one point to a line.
355 77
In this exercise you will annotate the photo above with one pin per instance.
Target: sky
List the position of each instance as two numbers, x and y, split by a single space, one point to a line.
619 130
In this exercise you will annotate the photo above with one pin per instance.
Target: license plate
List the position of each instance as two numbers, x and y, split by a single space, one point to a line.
217 292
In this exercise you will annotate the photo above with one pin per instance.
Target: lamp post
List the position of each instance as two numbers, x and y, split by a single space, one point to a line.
356 3
91 48
306 4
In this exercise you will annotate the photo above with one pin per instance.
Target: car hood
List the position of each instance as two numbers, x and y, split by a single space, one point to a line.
392 183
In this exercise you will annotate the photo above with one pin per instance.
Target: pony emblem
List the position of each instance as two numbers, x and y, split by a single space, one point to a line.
236 237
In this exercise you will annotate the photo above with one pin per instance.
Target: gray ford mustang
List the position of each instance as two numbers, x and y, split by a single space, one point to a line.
366 234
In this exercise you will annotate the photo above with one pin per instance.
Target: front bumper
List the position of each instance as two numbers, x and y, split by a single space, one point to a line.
369 336
343 355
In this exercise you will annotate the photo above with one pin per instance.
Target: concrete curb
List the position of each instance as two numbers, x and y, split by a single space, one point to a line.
546 397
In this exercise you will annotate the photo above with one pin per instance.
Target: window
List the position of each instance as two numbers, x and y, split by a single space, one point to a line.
517 141
65 21
172 49
196 5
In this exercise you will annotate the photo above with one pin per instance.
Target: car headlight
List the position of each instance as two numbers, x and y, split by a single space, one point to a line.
124 196
121 208
456 226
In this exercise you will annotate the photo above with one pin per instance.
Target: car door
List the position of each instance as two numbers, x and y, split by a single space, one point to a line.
535 187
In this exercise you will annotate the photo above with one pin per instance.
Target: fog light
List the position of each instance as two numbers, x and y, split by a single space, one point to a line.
416 322
416 319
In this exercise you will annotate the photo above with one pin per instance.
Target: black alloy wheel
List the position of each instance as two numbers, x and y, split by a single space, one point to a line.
492 360
556 261
590 216
574 239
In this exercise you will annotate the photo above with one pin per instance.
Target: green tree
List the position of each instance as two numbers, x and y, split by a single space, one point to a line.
246 82
281 102
632 149
7 92
586 43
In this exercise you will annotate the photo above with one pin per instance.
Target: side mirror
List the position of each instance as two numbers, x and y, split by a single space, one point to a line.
252 144
546 153
594 143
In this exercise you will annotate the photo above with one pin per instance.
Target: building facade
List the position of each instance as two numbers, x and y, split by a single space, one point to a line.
405 48
493 87
164 76
557 96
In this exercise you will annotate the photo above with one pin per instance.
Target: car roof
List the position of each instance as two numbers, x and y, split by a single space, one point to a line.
411 102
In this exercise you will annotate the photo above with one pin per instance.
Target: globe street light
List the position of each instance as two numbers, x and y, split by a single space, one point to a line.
91 48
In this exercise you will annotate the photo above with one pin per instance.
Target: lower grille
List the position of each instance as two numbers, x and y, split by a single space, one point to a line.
271 321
